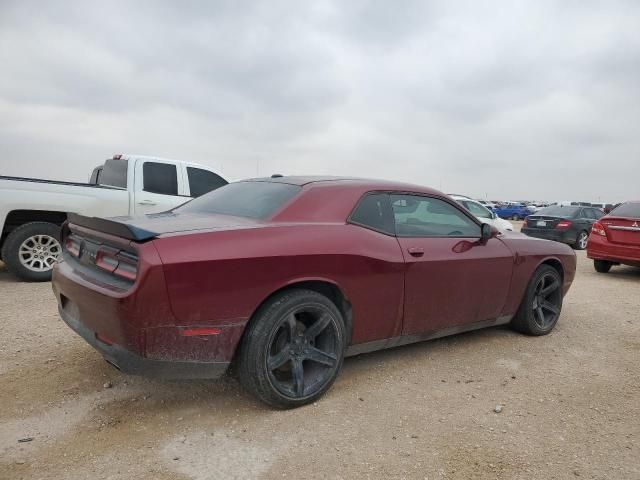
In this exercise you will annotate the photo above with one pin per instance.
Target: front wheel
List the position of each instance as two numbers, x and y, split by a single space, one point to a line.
293 349
31 250
542 303
581 240
602 266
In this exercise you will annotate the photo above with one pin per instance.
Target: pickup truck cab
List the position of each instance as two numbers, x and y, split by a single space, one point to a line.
32 210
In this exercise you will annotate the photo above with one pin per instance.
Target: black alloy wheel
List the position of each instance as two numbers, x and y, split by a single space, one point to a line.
293 349
542 303
303 352
547 300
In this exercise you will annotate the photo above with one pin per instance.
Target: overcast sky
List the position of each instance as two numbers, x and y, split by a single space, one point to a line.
510 100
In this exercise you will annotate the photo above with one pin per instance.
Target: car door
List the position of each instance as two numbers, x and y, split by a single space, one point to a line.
159 186
452 277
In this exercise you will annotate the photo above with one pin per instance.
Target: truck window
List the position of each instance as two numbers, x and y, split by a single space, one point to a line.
203 181
160 178
113 174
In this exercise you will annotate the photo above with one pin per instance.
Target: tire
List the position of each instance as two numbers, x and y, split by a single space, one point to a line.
602 266
279 342
30 251
581 240
515 217
535 303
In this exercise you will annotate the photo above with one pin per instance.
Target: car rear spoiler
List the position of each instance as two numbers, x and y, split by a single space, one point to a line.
116 226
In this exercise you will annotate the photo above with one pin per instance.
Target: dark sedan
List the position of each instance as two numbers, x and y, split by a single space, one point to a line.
567 224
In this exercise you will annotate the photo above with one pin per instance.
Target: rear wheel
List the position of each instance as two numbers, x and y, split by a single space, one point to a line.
542 303
581 240
602 266
31 251
515 217
293 349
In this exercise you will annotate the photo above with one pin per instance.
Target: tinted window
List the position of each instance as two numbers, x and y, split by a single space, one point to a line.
203 181
160 178
417 216
243 199
598 213
113 174
373 211
476 209
631 209
589 213
558 211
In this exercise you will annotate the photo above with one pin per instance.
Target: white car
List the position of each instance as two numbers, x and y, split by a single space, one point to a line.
32 210
483 214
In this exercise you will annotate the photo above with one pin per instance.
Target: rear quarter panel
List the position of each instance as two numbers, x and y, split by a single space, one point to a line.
222 277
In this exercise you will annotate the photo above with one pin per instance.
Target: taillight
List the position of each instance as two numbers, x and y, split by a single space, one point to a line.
119 263
72 244
564 224
598 229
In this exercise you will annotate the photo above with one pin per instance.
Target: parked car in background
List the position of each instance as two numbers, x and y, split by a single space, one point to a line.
567 224
32 210
286 276
513 211
615 238
487 203
483 214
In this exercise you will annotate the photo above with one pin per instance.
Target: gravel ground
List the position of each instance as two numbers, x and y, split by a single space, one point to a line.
569 404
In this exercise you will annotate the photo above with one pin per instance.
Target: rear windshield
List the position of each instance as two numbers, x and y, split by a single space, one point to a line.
113 174
243 199
631 209
558 211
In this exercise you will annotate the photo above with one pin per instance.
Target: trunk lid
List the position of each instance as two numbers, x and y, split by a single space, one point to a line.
623 230
145 227
544 222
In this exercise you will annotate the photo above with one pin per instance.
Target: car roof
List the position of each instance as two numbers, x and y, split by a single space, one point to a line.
347 182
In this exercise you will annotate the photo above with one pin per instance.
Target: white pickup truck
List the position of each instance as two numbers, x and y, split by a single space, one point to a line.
32 210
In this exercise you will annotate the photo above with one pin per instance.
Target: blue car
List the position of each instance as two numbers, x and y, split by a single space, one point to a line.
513 212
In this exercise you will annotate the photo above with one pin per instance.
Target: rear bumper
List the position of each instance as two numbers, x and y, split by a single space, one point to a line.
129 362
564 236
600 248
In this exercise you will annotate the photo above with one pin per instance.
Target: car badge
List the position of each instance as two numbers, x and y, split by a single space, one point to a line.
635 224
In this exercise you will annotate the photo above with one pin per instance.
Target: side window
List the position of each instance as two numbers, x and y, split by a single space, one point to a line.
477 209
418 216
160 178
374 212
598 213
203 181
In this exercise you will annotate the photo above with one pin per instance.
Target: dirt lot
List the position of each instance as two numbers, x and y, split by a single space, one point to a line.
571 404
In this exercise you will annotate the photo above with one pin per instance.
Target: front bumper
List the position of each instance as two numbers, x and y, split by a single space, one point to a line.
563 236
129 362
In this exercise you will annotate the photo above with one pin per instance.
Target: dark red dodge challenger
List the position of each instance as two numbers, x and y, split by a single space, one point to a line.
283 277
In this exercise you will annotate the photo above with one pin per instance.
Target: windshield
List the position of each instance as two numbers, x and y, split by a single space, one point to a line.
243 199
558 211
630 209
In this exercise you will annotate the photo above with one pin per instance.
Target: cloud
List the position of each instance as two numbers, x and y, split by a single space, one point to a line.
533 99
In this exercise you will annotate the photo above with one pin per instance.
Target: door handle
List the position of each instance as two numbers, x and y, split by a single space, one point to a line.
416 251
146 202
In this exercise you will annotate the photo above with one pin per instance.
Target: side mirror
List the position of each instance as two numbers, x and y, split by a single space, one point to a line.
487 231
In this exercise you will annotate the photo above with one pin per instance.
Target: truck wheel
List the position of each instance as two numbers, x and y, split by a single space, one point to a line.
31 251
